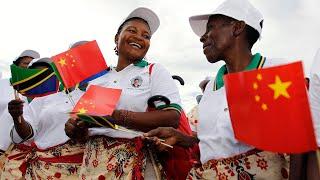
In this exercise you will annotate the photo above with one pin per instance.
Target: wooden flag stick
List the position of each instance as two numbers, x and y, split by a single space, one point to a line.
140 134
16 97
70 98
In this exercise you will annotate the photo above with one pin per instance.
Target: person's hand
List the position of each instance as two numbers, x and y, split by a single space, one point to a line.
15 108
77 130
170 136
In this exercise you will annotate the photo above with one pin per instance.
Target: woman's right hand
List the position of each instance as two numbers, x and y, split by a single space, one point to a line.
77 129
15 108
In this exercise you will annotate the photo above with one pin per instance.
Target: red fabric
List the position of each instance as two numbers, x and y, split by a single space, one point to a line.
180 160
97 100
269 108
28 156
79 63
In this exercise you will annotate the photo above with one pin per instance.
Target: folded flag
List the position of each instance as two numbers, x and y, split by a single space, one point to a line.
101 121
33 82
79 63
269 108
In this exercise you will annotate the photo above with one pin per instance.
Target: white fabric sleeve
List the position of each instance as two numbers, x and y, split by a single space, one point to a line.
6 124
163 84
314 95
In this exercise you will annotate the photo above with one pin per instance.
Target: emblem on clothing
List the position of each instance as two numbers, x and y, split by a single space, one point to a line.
136 81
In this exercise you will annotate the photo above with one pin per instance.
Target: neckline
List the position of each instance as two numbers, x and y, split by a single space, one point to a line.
257 62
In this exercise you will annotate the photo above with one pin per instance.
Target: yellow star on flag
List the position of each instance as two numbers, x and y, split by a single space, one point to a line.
82 111
280 88
62 61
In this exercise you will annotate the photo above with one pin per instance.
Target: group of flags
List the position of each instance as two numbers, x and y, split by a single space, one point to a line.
268 107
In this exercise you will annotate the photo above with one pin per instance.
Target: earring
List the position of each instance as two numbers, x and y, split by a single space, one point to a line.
116 49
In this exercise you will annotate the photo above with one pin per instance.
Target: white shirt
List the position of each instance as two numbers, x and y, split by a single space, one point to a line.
6 95
215 129
314 95
47 115
135 99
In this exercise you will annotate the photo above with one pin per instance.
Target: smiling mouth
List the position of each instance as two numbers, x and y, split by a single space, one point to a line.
135 45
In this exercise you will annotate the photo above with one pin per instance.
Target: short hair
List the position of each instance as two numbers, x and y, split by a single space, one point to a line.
130 19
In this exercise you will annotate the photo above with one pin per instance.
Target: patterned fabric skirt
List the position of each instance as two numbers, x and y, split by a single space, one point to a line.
58 162
254 164
114 158
2 160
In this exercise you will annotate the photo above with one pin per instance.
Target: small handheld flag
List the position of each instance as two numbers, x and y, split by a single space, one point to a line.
269 108
79 63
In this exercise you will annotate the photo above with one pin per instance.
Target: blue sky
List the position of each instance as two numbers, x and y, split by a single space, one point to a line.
290 31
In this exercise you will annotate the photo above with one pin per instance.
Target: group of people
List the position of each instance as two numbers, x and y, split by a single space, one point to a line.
39 139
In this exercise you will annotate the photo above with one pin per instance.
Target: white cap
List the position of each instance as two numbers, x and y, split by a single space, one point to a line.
147 15
39 60
241 10
29 53
78 43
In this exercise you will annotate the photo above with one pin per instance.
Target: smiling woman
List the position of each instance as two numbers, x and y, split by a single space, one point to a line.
121 155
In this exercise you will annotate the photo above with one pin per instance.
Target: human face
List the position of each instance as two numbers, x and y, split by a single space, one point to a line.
24 61
134 40
218 38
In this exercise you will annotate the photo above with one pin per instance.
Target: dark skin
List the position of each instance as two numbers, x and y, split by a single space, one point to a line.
132 42
224 40
24 61
15 108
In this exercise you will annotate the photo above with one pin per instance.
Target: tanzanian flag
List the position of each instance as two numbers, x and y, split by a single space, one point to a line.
33 82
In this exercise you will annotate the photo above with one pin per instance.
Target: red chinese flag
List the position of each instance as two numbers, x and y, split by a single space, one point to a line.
269 109
79 63
98 101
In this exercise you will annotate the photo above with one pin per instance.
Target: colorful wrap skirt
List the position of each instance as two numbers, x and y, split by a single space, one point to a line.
2 161
58 162
254 164
115 158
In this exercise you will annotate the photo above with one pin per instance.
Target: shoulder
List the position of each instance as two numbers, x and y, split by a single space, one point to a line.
157 68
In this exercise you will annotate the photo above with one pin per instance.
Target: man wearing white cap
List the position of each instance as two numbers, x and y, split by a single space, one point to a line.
227 34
